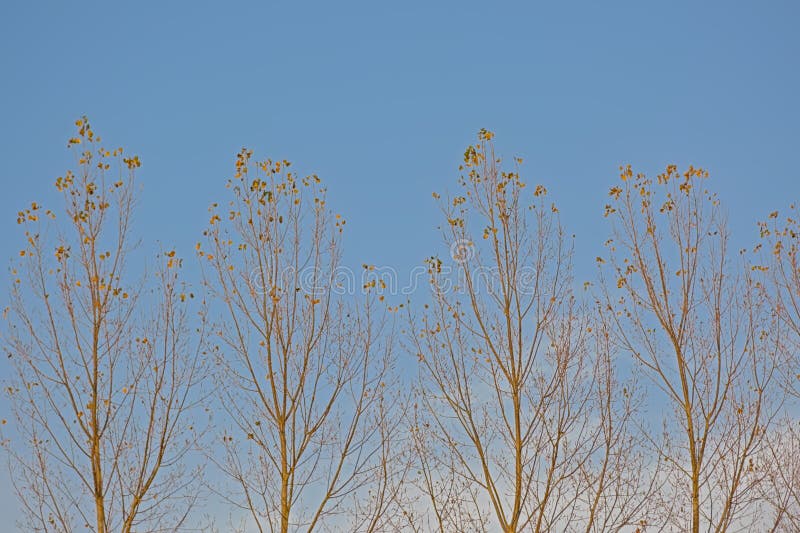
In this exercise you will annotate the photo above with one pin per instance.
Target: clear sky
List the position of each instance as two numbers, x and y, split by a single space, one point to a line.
380 98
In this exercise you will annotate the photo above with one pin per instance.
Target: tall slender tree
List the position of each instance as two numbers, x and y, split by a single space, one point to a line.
778 272
105 371
693 319
305 369
522 421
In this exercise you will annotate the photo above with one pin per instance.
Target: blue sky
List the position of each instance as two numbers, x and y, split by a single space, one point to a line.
380 99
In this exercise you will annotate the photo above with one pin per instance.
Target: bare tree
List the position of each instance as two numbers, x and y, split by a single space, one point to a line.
779 274
696 324
522 422
105 373
306 371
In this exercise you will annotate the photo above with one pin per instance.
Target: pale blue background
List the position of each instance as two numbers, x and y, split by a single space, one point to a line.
380 98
